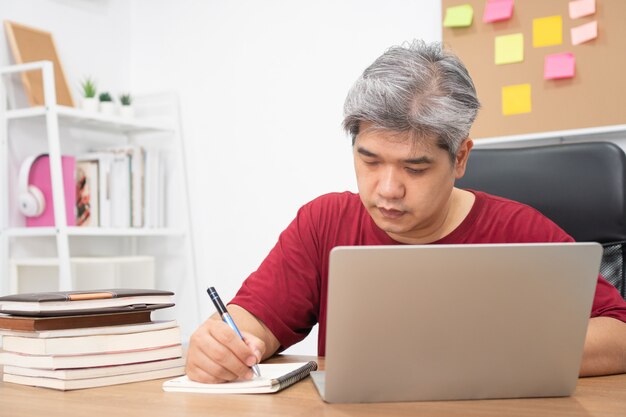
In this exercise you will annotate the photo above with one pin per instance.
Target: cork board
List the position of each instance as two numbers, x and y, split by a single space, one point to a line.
28 45
596 95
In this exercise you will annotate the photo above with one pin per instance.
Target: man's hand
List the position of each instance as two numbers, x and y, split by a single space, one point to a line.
217 354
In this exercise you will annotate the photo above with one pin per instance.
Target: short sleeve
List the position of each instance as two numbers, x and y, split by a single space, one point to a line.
608 302
284 292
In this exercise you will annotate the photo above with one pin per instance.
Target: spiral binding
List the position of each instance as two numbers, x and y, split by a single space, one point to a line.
296 375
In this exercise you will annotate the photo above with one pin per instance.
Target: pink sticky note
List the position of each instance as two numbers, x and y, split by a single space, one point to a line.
497 10
580 8
558 66
584 33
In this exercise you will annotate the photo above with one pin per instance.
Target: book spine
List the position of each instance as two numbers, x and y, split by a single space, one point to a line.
296 375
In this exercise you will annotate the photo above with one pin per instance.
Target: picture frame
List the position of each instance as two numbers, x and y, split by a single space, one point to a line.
28 45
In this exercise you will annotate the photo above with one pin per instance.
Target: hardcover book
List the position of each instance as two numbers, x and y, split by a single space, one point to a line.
92 344
97 372
93 360
85 302
64 385
33 324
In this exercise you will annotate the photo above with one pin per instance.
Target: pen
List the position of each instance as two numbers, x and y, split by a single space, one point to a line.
217 301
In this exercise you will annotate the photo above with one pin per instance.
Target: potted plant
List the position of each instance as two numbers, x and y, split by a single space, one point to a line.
90 101
126 105
106 104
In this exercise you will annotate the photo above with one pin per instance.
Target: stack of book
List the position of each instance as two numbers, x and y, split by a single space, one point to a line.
80 339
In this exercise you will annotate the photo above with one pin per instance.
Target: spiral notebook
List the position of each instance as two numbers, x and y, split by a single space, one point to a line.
274 377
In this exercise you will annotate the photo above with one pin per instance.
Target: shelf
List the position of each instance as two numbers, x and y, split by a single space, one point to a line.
602 132
94 231
80 260
90 120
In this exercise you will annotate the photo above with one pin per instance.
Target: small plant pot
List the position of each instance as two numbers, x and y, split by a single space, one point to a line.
90 104
107 108
127 111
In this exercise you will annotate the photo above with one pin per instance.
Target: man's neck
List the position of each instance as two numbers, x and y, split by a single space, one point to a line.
459 206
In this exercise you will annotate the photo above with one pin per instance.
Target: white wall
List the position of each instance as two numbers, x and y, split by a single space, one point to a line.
92 38
262 85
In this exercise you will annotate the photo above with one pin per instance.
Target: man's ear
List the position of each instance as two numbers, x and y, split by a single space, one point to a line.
462 155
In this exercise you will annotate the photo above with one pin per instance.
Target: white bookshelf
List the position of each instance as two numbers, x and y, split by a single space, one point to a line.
62 248
110 271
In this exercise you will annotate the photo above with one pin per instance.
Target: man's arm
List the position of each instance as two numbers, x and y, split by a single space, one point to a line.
605 347
217 354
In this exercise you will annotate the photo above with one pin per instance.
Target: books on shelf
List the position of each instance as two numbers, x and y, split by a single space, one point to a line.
83 351
85 302
274 377
130 186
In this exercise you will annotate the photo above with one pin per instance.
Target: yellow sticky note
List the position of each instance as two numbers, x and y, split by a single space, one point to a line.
459 16
547 31
509 48
516 99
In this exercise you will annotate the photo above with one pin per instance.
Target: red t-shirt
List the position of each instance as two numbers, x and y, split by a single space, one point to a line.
288 291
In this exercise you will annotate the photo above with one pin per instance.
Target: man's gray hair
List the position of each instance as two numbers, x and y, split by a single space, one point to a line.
418 88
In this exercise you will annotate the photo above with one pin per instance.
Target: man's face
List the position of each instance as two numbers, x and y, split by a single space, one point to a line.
406 185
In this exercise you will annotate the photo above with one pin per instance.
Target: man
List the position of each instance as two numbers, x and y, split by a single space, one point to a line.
409 116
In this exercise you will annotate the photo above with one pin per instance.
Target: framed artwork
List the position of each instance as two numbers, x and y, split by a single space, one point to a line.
28 45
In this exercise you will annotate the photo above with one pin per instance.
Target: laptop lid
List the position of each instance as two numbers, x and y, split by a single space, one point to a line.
451 322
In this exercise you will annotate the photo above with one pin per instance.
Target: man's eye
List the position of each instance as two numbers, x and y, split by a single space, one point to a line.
370 163
415 171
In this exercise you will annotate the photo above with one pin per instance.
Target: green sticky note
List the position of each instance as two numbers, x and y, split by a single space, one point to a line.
459 16
516 99
509 48
547 31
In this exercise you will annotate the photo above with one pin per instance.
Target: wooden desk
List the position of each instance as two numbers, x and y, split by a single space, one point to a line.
604 396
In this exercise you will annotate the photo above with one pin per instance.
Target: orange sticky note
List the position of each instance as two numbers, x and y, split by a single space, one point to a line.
584 33
580 8
547 31
516 99
557 66
498 10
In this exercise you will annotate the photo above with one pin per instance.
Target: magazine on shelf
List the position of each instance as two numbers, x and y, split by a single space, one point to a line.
87 193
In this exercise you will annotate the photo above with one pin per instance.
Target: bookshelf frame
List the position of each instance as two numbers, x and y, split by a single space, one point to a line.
55 117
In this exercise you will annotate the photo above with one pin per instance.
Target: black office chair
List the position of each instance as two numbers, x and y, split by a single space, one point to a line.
581 187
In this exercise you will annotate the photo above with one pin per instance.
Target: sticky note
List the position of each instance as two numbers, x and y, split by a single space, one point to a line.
581 8
547 31
559 66
516 99
498 10
509 48
459 16
584 33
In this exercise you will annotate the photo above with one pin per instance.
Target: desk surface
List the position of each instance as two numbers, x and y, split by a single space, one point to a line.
603 396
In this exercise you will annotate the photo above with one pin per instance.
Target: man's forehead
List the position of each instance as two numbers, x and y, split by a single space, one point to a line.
417 145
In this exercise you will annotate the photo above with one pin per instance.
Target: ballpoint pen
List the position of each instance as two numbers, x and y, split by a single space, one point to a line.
221 310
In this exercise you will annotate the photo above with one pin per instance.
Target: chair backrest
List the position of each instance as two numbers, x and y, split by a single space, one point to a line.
581 187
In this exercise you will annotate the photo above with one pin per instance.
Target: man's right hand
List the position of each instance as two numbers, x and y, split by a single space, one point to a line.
217 354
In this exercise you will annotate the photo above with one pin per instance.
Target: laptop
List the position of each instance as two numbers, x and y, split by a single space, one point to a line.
456 322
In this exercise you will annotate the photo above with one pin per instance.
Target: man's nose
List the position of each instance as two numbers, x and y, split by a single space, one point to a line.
390 185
